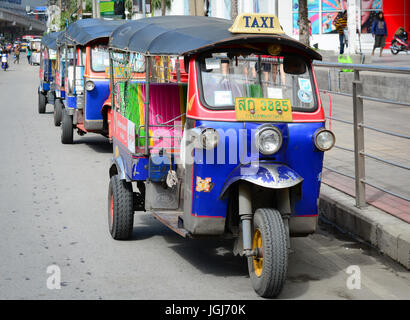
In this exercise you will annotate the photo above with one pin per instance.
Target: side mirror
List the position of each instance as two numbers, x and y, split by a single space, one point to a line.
294 65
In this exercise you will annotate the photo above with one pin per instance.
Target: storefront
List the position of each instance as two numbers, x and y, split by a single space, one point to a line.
321 15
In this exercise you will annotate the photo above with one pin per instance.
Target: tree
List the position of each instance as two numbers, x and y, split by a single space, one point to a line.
161 4
303 22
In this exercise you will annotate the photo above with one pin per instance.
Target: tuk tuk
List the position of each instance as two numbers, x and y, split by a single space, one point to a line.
46 89
86 78
64 59
225 136
35 46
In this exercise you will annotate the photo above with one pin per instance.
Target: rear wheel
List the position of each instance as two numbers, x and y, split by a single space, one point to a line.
268 269
42 101
66 128
58 112
120 208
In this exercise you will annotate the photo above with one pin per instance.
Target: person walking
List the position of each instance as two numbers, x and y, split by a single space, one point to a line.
28 54
17 54
379 31
341 25
4 59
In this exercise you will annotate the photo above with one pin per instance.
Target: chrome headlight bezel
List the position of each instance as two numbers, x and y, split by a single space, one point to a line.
319 132
204 139
263 130
89 85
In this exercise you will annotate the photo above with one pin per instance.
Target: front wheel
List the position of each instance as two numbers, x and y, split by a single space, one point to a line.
393 48
42 101
268 269
67 128
58 112
120 208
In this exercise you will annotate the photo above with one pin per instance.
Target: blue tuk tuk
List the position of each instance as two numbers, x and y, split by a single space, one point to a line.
234 149
46 89
86 78
64 58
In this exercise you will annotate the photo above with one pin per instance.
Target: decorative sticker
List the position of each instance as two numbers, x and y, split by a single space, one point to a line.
204 185
304 84
223 98
275 93
305 96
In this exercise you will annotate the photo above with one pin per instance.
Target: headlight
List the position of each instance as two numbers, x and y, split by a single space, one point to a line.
324 139
208 139
89 85
268 140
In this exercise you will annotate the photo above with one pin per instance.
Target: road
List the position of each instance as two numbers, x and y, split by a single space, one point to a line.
53 211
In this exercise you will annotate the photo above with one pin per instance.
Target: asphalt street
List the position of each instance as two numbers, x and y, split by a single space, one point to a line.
53 211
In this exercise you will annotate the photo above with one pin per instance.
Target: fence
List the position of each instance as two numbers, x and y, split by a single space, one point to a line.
359 126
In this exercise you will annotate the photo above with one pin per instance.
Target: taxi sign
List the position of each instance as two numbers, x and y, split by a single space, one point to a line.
256 23
263 109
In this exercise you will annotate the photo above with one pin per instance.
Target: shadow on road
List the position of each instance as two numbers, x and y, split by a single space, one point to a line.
97 143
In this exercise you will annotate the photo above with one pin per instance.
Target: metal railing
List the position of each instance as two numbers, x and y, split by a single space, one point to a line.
359 126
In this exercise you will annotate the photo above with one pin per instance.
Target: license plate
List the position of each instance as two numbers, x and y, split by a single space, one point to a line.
261 109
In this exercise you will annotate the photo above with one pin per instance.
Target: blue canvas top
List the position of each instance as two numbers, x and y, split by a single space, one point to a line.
83 31
186 35
50 40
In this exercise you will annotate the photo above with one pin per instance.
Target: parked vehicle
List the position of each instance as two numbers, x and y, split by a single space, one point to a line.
48 54
35 46
87 79
399 42
64 56
234 148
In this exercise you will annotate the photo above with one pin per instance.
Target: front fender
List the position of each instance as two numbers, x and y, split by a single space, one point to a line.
117 167
265 174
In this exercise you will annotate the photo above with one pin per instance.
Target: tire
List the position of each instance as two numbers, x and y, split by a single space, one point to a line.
268 274
58 112
394 50
120 208
67 128
42 101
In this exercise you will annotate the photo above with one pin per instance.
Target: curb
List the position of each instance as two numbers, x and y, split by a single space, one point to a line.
387 233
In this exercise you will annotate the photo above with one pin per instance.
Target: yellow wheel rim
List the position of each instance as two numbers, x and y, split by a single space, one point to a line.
257 261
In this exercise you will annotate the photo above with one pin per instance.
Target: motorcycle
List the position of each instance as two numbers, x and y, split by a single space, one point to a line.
399 43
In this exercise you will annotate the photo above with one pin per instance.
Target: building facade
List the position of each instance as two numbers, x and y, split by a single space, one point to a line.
361 14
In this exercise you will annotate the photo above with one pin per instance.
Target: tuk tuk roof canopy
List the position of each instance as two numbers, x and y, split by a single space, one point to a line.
187 35
83 31
50 40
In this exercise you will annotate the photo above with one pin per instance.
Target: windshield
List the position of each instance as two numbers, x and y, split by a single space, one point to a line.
99 58
226 78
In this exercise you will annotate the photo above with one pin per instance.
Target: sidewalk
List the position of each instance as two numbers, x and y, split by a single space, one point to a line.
385 222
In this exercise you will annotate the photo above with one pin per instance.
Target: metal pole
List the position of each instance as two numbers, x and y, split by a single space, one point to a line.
75 67
112 81
358 131
146 103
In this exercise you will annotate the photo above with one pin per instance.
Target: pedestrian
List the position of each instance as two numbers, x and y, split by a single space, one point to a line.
341 24
4 59
28 55
379 31
17 54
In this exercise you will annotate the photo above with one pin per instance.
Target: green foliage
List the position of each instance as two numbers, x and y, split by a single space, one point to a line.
67 14
156 4
128 5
